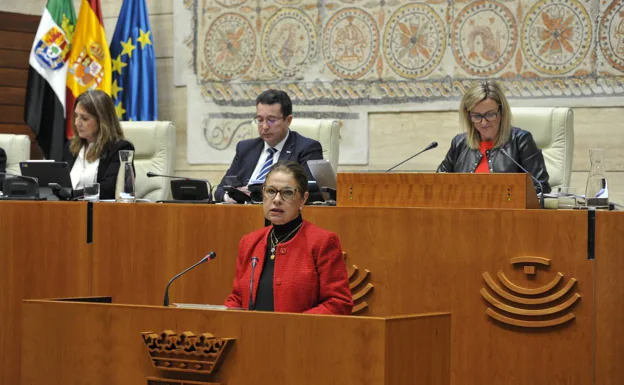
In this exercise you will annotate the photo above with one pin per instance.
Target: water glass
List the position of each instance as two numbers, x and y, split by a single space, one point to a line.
566 198
92 192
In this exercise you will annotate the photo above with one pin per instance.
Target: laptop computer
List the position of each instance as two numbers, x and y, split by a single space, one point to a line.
323 173
47 172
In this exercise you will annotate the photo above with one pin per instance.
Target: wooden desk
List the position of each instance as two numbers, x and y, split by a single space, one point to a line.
420 260
102 345
450 190
43 253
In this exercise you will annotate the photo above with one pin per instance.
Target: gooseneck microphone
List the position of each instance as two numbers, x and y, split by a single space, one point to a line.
429 147
502 150
153 174
254 262
30 178
209 257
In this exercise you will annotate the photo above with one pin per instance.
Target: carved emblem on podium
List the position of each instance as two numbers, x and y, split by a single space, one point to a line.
359 285
540 307
185 352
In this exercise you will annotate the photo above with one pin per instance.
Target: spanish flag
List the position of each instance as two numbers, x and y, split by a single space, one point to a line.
89 61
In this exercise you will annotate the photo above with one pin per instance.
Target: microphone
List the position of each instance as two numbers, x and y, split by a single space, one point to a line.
254 262
62 193
31 178
502 150
209 257
429 147
153 174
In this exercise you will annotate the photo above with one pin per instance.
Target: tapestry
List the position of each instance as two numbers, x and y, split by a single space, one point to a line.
345 59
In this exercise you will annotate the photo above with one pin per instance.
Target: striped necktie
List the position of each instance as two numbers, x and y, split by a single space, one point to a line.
267 164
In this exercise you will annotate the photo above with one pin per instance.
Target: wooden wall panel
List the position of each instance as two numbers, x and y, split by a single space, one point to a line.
97 344
14 59
17 33
18 22
43 254
12 77
609 329
13 96
421 260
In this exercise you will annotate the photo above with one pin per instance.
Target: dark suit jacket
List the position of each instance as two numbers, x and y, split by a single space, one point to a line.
297 148
3 161
108 168
310 272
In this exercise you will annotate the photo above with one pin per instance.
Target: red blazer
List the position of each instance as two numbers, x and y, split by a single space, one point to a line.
310 274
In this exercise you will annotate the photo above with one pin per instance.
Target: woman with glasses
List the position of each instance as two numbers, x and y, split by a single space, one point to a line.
486 116
297 267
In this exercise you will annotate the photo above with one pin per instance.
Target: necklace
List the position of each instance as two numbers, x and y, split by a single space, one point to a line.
276 241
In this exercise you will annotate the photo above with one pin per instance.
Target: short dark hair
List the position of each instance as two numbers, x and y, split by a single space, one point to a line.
295 170
270 97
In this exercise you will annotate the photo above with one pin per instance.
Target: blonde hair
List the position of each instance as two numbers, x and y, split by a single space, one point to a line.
478 92
98 104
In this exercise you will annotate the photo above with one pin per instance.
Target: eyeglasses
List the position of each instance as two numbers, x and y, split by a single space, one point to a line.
489 116
287 193
270 121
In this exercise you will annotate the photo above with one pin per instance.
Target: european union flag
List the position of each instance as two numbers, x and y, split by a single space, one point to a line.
134 88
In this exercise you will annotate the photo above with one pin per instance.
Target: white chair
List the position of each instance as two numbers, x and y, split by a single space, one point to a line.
154 144
326 131
553 131
17 148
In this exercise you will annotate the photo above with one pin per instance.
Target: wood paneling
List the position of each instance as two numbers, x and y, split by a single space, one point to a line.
17 41
13 77
17 33
431 259
14 59
102 345
44 255
183 234
11 114
453 190
18 22
421 260
609 330
14 96
20 129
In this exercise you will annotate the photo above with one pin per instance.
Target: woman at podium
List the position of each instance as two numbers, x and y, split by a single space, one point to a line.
93 153
292 265
490 144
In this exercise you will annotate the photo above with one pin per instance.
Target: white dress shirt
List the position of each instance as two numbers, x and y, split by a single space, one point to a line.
83 172
264 154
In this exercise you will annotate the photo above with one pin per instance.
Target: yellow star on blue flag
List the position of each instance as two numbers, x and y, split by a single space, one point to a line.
134 78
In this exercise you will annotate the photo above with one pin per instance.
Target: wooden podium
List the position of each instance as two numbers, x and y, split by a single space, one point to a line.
501 191
100 344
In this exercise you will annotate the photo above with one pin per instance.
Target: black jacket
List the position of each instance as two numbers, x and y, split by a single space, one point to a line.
297 148
107 169
521 147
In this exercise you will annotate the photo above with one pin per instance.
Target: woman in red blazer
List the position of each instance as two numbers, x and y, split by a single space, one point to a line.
299 267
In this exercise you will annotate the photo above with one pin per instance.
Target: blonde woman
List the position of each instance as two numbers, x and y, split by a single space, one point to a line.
486 116
93 154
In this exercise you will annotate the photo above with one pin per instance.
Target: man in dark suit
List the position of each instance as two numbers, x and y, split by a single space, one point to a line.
3 161
277 142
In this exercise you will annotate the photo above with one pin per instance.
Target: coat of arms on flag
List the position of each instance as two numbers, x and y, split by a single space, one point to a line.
53 49
88 68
